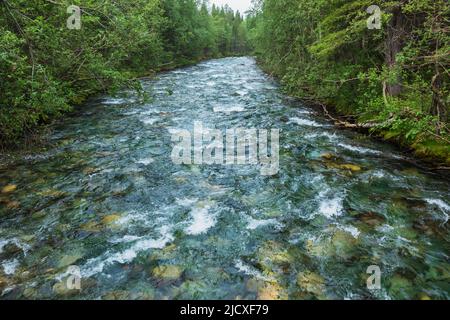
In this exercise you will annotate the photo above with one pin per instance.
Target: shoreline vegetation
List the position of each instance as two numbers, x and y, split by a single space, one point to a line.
391 82
47 68
394 90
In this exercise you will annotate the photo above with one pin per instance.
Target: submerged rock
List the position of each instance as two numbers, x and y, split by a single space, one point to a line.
68 260
9 188
328 156
424 296
12 205
108 220
92 226
61 289
116 295
345 167
10 250
400 287
271 291
167 272
273 256
344 244
351 167
339 244
371 218
312 283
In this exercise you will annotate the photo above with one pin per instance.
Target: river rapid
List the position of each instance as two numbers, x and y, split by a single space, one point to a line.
106 204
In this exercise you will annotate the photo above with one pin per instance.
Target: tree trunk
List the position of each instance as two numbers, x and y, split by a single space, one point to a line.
394 44
438 108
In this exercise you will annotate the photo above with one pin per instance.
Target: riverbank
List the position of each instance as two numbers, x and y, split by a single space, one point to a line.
434 155
35 138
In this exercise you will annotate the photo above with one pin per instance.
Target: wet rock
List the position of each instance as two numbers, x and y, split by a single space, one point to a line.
68 260
371 218
108 220
61 289
271 291
116 295
345 167
30 293
351 167
143 294
424 296
3 283
9 251
52 193
9 188
12 205
344 244
328 156
400 287
90 171
284 119
167 272
312 283
273 256
430 226
317 249
253 284
339 244
167 253
92 226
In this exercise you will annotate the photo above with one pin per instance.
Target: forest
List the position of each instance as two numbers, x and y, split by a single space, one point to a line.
46 68
393 81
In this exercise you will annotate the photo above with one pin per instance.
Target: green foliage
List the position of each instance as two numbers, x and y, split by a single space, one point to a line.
323 50
45 68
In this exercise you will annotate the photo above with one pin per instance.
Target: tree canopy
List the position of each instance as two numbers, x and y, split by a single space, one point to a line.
46 68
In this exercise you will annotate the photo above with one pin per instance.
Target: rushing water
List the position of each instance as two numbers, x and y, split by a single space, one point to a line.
108 199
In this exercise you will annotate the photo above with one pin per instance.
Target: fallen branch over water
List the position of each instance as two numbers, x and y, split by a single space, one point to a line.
346 124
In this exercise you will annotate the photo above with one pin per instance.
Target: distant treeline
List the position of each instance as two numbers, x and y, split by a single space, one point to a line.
394 80
46 68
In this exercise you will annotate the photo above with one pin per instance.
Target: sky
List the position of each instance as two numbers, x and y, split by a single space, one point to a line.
241 5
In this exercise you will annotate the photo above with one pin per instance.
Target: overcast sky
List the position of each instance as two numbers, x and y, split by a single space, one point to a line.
241 5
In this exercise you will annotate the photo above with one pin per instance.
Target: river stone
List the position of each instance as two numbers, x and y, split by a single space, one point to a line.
371 218
167 272
400 287
9 188
312 283
3 283
108 220
116 295
68 260
328 156
344 244
30 293
424 296
273 255
12 205
60 288
271 291
253 284
9 251
92 226
167 253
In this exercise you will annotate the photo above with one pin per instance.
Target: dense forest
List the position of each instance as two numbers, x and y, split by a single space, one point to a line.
46 68
392 80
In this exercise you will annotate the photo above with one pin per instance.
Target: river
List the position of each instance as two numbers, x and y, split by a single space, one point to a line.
107 205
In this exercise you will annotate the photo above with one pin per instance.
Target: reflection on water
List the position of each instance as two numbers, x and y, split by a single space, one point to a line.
108 199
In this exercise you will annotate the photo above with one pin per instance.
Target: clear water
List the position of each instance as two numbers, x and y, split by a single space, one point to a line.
108 199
